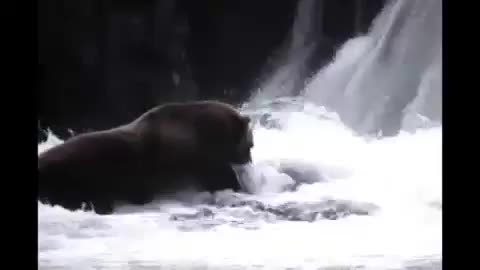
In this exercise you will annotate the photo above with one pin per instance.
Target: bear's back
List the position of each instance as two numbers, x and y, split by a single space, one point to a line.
88 163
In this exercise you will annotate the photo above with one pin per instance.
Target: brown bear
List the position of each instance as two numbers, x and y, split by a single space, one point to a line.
170 147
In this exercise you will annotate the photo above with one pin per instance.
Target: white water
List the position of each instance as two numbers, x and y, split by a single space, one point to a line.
382 80
400 176
385 196
288 78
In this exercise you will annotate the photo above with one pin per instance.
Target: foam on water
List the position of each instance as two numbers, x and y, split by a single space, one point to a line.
400 177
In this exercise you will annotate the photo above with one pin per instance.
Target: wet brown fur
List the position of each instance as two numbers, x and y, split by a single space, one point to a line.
170 147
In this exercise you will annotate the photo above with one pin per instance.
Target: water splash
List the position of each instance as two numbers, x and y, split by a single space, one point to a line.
370 202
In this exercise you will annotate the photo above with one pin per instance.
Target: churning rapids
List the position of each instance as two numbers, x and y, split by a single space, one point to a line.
370 202
324 196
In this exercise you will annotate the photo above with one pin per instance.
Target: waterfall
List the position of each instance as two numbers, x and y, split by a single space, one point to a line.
288 76
379 82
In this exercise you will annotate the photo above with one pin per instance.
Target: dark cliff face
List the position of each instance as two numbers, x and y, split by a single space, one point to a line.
231 40
102 63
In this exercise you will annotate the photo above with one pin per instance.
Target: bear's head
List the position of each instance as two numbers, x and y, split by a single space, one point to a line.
224 134
204 131
243 143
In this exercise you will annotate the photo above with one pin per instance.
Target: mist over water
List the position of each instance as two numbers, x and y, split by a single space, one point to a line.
326 191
